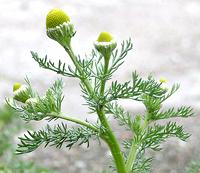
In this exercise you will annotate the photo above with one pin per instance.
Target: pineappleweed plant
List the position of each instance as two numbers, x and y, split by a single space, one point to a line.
93 72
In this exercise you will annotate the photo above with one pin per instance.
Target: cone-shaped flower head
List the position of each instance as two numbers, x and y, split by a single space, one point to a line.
105 44
21 92
56 17
105 37
59 27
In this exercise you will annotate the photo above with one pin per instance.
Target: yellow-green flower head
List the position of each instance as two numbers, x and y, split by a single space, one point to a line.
163 80
105 37
105 44
16 86
22 93
56 17
59 27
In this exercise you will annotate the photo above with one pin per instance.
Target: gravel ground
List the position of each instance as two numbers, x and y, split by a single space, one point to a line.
166 43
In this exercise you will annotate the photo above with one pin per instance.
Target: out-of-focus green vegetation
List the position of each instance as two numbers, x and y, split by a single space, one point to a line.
194 167
19 166
104 171
7 117
7 114
10 125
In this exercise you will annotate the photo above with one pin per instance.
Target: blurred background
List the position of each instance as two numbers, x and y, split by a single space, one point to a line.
166 42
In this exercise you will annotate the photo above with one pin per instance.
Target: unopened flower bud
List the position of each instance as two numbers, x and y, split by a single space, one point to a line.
105 37
21 92
59 27
105 44
163 80
16 86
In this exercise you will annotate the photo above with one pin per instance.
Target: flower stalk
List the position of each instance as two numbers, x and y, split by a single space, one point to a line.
108 137
74 120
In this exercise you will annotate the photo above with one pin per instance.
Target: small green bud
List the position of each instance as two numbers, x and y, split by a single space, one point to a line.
59 27
105 44
163 80
16 86
22 93
105 37
56 17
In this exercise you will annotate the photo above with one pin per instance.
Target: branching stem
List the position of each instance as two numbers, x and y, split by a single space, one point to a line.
109 137
77 65
113 144
133 151
74 120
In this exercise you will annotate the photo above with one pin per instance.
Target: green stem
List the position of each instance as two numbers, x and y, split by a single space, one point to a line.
131 157
74 120
113 144
133 151
103 83
109 137
77 65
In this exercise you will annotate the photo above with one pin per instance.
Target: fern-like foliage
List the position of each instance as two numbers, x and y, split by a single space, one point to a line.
119 55
142 165
135 89
59 68
101 99
123 117
150 135
154 135
183 111
58 136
